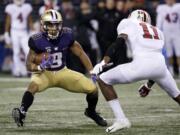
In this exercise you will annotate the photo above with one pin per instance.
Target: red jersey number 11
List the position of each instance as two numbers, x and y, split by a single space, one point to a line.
147 34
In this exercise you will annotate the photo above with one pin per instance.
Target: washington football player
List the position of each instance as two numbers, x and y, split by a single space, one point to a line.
52 71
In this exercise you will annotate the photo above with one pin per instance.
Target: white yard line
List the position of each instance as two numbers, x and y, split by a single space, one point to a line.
4 79
156 116
11 79
14 89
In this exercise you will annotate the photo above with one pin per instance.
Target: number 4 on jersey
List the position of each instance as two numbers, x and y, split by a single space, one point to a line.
20 17
147 34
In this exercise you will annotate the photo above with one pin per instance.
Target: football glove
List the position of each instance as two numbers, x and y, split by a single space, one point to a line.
98 68
93 78
144 90
46 63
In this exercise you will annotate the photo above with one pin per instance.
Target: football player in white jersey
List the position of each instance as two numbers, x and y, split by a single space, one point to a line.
18 21
48 4
168 20
146 43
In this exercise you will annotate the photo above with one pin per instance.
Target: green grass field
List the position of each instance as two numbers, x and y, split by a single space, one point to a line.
58 112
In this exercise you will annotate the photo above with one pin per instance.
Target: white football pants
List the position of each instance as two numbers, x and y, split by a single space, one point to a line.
172 44
143 67
19 41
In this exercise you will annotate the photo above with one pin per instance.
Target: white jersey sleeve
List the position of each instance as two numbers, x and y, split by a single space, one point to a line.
41 10
125 27
28 8
8 9
160 16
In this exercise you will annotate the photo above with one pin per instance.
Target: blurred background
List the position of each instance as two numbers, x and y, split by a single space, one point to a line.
93 22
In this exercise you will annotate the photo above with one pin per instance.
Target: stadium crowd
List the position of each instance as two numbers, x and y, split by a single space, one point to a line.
93 22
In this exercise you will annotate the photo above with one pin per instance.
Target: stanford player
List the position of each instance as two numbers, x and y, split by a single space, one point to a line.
146 42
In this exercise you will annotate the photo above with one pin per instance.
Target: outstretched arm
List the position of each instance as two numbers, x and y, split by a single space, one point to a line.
114 47
79 52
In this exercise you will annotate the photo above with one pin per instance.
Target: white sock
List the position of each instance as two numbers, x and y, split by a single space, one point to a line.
117 110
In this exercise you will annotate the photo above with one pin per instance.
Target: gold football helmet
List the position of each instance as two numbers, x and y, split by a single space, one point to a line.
51 22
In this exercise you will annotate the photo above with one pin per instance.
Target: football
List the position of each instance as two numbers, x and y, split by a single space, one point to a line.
38 58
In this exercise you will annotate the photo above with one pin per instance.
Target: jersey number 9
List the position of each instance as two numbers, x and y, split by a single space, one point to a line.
57 60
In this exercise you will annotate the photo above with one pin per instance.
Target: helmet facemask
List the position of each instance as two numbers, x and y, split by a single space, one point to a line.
52 29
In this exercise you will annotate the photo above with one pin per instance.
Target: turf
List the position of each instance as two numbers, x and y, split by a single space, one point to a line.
58 112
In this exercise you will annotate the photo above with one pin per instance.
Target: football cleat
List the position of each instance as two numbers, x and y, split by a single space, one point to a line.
96 117
144 90
18 117
118 125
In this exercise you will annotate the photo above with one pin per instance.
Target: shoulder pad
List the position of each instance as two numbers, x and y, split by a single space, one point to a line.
125 20
161 7
124 23
66 30
36 36
178 4
8 7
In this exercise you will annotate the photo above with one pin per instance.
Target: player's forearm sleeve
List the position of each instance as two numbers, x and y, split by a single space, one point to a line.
118 45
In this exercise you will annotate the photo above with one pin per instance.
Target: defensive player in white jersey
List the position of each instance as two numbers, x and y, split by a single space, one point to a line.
18 21
168 20
146 42
48 4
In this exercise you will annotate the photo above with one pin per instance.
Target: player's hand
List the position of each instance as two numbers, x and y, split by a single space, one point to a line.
46 63
7 38
93 78
144 90
98 68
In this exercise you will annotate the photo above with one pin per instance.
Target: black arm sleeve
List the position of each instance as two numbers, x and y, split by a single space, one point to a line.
115 47
150 83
